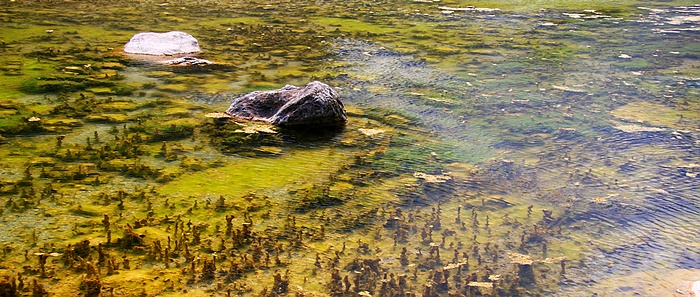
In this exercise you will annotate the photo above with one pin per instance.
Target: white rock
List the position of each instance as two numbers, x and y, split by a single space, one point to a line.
170 43
695 289
624 56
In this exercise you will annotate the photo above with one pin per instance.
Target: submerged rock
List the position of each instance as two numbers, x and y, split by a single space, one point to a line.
158 44
314 104
188 61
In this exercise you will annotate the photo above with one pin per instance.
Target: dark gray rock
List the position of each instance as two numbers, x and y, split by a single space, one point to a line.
314 104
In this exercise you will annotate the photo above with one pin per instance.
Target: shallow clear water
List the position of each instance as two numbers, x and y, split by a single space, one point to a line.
563 134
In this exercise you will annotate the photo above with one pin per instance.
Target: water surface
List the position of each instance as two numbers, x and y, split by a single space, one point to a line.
499 149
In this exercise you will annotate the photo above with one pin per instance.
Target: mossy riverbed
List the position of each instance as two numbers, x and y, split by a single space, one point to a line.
492 149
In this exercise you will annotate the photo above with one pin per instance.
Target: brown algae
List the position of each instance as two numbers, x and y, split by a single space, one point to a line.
479 160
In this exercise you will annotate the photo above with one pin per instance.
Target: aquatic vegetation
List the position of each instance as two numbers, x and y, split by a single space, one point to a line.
658 114
508 152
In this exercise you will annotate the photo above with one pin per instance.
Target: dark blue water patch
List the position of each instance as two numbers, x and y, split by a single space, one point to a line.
517 143
625 140
689 259
661 206
677 199
657 207
648 241
628 166
692 84
623 214
569 135
689 254
683 177
644 254
625 289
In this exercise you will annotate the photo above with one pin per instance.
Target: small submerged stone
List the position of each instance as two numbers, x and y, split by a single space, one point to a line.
468 8
624 56
254 129
371 132
631 128
217 115
432 178
568 89
481 284
188 61
574 15
690 170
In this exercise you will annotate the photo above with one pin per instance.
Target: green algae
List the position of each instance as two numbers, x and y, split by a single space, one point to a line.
257 175
175 88
353 25
153 164
658 114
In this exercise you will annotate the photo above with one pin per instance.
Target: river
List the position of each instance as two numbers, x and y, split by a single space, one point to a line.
492 149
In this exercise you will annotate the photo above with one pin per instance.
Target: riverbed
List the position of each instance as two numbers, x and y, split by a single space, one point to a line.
492 149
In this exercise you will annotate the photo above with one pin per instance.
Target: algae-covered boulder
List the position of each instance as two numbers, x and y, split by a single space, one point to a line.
314 104
169 43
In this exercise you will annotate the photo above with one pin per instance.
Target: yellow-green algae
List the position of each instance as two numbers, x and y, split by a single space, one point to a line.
254 175
659 115
150 161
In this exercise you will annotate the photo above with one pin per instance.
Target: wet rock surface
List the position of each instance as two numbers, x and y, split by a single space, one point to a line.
188 61
169 43
314 104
